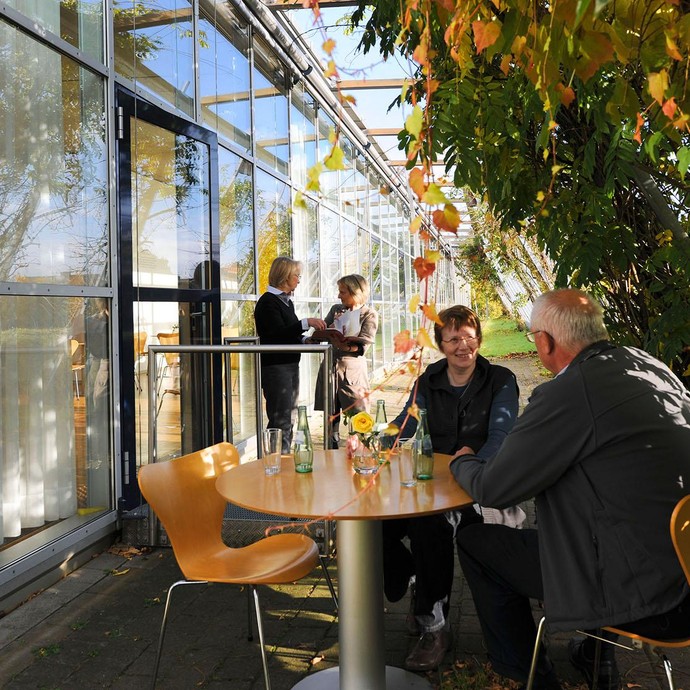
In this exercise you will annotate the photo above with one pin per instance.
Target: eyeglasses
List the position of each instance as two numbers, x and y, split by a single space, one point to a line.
530 335
454 342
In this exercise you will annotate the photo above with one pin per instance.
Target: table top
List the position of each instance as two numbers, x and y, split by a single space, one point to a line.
333 490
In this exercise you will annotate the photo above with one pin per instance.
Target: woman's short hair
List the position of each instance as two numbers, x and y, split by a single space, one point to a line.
572 318
357 286
457 316
281 269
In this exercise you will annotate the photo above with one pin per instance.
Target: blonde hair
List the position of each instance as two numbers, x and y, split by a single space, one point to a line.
281 269
357 286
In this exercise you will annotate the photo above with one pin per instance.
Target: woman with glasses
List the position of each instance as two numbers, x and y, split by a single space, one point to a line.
277 324
355 324
471 406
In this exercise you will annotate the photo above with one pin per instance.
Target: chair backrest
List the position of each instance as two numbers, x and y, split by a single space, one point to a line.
182 493
140 339
680 533
172 358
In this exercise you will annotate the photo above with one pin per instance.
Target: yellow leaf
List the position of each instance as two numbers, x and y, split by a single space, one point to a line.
519 43
657 83
423 339
413 304
299 201
414 122
434 195
335 160
328 46
555 169
331 70
313 174
415 224
413 410
332 136
116 573
672 47
540 196
432 255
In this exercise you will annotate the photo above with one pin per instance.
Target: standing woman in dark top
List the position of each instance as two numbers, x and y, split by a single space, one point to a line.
277 324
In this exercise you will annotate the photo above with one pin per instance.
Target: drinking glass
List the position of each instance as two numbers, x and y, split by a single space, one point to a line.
272 441
408 476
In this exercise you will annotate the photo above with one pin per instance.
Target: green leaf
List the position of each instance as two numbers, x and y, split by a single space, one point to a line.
582 7
414 122
683 161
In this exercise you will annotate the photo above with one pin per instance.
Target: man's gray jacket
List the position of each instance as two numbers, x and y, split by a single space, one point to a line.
605 449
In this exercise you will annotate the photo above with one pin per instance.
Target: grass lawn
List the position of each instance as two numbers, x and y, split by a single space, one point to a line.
501 337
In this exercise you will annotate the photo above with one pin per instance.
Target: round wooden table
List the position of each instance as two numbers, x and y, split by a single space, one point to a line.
333 491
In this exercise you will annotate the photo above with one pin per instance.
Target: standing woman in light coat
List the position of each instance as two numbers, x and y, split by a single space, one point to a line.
358 322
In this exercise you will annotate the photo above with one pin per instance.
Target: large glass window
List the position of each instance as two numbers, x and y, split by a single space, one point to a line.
236 229
351 258
328 179
53 172
302 134
306 247
55 454
79 22
154 47
270 108
272 222
170 189
224 73
330 243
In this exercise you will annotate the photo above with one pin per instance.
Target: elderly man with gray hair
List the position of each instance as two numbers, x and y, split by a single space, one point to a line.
604 448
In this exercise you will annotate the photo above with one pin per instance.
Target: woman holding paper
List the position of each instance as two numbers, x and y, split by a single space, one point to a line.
352 328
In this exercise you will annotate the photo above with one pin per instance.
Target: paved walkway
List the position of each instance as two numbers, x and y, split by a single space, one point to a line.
98 628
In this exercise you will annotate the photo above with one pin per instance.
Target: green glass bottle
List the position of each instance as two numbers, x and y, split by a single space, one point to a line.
302 446
424 452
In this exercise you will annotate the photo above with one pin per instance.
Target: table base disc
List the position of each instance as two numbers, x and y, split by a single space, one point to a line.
396 679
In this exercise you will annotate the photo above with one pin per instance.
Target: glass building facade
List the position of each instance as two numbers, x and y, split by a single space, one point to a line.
151 152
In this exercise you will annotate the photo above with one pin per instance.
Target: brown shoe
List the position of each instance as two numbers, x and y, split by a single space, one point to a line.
429 651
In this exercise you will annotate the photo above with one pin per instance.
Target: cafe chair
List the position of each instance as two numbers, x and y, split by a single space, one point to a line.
183 495
680 536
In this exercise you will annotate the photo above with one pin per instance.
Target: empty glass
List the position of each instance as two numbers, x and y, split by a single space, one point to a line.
272 442
408 476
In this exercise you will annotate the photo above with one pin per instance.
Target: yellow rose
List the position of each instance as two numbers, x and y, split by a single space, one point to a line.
362 423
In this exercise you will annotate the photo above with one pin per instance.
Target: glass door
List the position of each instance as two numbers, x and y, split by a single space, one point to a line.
168 267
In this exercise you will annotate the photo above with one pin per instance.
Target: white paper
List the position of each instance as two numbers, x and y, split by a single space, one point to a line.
348 322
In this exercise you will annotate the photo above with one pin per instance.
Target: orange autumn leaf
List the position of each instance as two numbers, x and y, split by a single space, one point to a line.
328 46
447 4
429 310
447 219
485 34
423 267
670 108
672 47
417 183
413 411
638 129
402 342
566 94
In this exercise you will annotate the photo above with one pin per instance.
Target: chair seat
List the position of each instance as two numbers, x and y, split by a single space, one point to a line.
681 642
274 560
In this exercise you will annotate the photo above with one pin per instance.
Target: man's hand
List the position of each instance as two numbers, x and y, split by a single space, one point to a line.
465 450
318 324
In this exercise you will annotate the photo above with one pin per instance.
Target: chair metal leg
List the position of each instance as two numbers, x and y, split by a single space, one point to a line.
260 627
654 655
535 653
165 621
250 632
329 582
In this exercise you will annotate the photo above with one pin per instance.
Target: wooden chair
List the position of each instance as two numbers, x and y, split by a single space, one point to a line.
77 362
140 339
680 536
183 494
171 368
